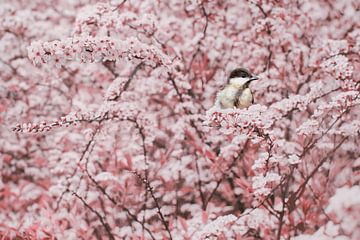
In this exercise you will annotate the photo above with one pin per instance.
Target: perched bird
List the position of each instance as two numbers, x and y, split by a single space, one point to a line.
236 93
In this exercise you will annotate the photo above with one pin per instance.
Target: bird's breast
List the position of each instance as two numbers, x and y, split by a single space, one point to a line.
228 97
245 99
231 92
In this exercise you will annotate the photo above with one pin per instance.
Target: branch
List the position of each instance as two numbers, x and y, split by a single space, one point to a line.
87 147
225 173
142 134
151 191
101 218
131 77
199 183
116 203
297 194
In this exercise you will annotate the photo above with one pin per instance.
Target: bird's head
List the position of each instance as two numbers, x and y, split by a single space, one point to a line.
241 78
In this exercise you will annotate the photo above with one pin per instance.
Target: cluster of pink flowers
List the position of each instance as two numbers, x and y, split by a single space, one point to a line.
95 49
98 19
109 128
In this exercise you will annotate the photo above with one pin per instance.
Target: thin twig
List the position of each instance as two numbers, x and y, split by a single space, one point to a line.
297 194
101 218
151 191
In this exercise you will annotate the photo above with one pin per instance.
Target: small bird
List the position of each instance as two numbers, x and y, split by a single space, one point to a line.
236 93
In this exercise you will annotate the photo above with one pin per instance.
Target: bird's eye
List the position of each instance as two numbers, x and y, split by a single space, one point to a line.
244 74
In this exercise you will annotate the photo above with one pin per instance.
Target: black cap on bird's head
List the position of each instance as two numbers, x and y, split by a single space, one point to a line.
242 73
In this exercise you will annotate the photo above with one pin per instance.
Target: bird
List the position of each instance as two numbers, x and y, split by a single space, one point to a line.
236 93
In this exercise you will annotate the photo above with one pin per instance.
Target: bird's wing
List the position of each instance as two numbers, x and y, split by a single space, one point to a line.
219 95
237 101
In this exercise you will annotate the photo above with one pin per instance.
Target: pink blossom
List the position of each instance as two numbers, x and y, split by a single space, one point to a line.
95 49
111 128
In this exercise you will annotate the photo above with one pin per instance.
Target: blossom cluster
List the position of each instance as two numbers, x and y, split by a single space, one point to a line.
109 128
95 49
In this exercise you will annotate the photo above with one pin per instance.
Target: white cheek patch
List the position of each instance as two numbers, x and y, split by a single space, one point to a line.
239 81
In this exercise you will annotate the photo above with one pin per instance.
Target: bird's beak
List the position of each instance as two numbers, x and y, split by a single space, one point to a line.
253 78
